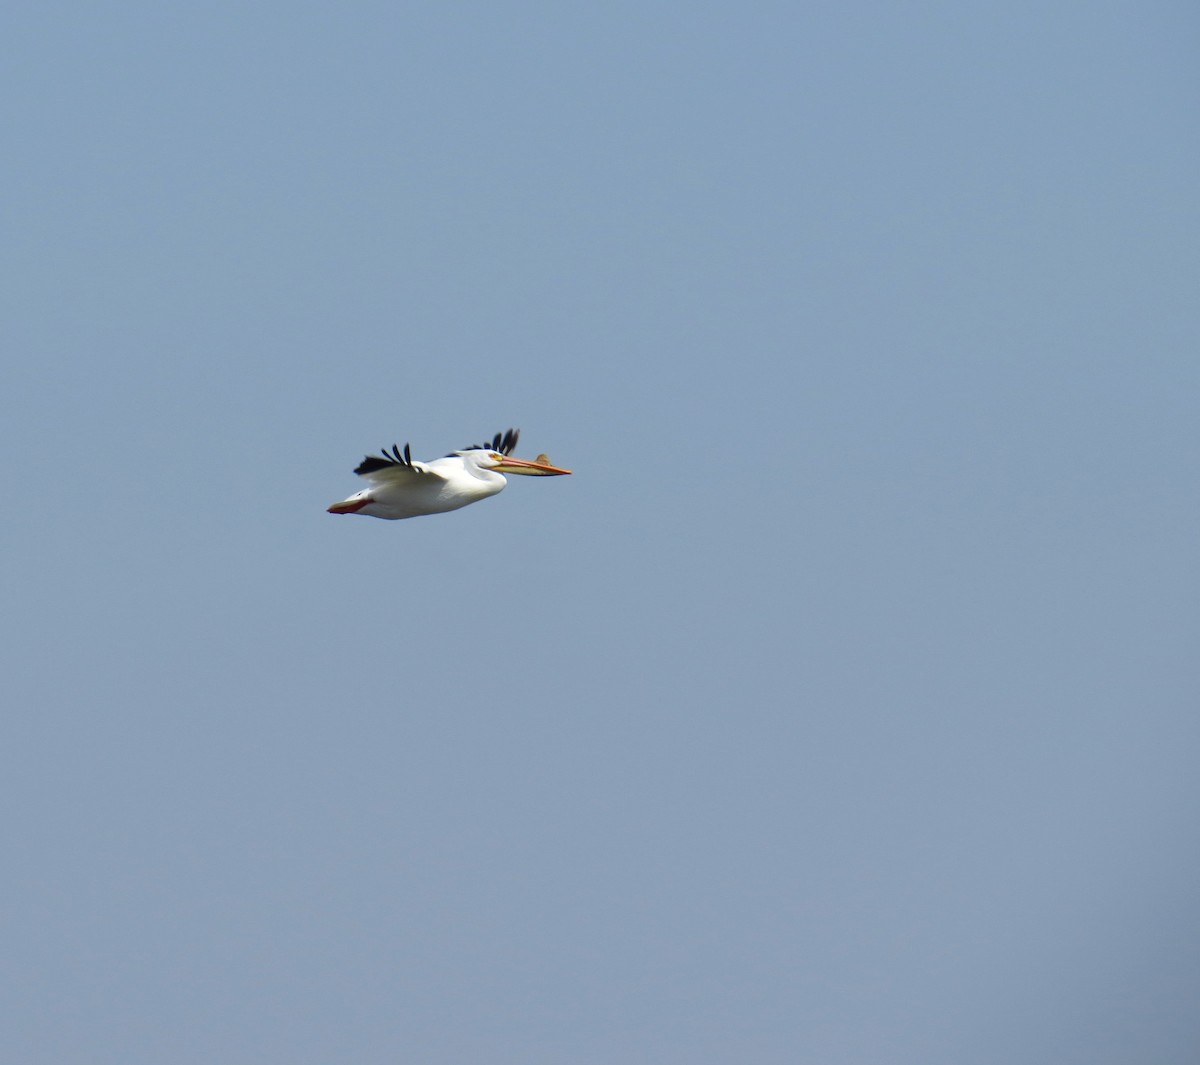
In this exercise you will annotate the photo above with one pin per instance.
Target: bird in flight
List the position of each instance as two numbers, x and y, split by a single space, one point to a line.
401 487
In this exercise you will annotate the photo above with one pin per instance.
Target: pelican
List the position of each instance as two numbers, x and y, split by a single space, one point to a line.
401 487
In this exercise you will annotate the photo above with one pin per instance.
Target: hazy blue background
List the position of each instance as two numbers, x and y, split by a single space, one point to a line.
842 708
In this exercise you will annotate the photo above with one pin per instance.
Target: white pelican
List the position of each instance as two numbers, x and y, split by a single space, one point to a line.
403 488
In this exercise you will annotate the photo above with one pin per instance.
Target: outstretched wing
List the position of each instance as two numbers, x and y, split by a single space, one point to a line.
502 442
393 464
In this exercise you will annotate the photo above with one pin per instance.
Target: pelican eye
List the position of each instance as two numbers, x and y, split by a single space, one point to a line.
497 457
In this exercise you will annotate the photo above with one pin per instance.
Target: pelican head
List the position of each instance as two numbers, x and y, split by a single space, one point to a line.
487 459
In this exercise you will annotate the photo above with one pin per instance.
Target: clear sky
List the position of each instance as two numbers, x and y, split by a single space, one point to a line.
840 709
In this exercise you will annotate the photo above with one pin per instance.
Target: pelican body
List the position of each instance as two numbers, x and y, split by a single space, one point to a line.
400 487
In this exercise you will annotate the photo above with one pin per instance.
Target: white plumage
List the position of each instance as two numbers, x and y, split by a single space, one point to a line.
401 487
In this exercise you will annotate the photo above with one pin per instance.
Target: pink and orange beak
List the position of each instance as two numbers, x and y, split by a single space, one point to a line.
539 467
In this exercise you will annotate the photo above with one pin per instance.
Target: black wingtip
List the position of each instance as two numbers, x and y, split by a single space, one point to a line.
370 464
396 457
502 442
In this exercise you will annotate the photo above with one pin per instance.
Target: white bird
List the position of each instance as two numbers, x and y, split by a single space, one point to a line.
403 488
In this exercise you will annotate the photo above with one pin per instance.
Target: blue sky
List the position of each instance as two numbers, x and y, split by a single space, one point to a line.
840 708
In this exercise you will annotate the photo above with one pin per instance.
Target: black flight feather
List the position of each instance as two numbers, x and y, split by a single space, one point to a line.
502 442
373 463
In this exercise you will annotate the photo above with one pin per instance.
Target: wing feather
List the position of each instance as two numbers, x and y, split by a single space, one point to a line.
502 442
393 464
